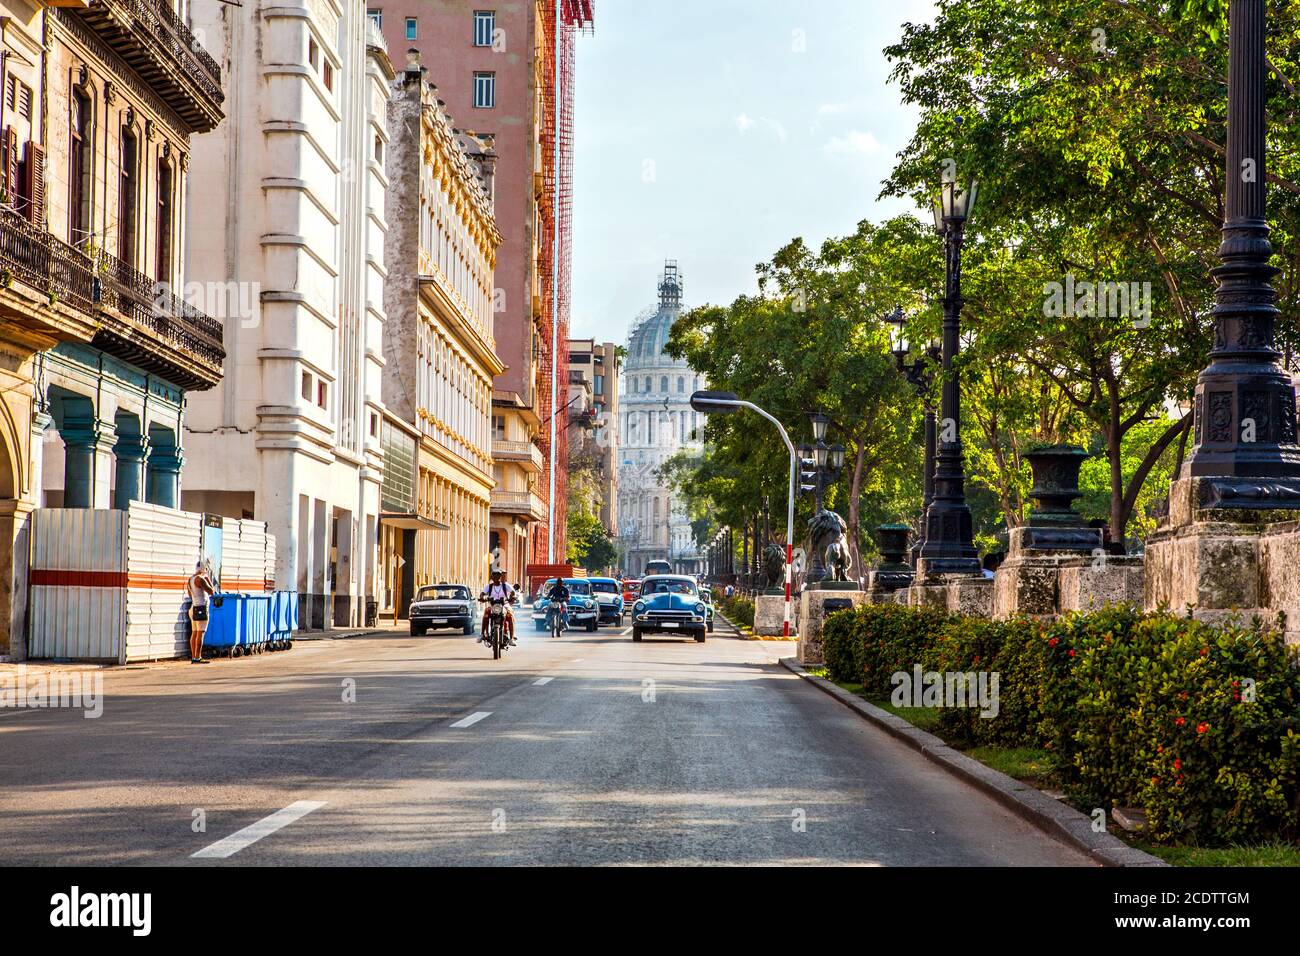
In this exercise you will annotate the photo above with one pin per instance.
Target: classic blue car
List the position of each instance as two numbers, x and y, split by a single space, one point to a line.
670 604
609 596
583 610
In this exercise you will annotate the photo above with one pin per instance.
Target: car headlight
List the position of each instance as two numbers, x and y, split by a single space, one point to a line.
640 606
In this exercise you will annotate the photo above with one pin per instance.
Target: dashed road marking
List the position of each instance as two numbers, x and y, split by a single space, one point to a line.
472 719
264 827
542 681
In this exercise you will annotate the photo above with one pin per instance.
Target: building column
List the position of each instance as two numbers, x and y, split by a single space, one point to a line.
88 446
131 450
163 473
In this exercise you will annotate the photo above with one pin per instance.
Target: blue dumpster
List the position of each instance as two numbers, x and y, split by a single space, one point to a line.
223 631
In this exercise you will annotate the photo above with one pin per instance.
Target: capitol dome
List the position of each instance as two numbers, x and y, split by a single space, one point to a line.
649 339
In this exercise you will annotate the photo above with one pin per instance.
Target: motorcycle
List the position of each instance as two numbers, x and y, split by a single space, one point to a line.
496 635
556 612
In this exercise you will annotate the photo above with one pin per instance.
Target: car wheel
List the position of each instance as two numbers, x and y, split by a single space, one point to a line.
710 628
636 634
418 631
700 637
592 627
469 629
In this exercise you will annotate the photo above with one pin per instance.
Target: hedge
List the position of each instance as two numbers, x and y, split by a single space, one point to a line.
1197 724
738 610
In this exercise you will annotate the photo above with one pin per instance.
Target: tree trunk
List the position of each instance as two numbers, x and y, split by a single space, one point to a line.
855 508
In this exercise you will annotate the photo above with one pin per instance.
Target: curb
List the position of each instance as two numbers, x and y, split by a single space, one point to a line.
339 635
1056 819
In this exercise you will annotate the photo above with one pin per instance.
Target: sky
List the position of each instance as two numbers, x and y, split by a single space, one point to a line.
715 131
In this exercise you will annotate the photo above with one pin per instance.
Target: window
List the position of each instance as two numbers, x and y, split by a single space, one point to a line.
322 394
485 91
410 28
79 169
374 425
163 266
379 149
378 17
485 24
328 76
663 383
313 54
598 385
126 210
18 98
498 428
306 386
681 383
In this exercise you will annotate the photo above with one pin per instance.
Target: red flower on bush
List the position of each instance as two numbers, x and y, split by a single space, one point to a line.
1053 642
1180 721
1072 652
1178 763
1205 652
1202 728
1155 781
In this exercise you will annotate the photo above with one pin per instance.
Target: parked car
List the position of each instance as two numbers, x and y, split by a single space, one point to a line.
438 606
706 595
582 605
670 604
609 598
658 567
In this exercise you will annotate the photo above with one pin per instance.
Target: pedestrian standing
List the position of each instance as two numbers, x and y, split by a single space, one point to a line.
199 587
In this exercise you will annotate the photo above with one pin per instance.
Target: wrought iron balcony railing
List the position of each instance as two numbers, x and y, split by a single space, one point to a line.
156 42
136 318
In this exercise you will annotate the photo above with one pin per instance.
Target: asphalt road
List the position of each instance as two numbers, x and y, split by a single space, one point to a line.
586 750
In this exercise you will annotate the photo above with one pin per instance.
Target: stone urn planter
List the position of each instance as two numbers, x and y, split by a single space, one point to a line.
1053 523
894 572
1056 485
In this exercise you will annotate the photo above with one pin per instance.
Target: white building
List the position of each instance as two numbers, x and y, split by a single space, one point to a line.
286 203
657 421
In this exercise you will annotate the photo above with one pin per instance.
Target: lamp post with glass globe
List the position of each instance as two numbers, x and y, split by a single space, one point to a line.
949 545
821 463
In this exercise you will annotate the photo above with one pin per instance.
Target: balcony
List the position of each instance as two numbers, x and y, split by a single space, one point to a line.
156 43
522 503
123 312
523 453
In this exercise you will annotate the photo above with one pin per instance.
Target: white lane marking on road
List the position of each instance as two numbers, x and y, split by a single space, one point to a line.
472 719
6 712
542 681
264 827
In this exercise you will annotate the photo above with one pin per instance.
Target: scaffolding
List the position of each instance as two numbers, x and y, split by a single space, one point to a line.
555 251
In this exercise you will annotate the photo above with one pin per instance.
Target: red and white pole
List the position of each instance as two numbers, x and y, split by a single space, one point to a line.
789 580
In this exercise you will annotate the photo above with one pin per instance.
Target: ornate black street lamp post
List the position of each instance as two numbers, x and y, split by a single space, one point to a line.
1245 440
823 462
949 546
920 375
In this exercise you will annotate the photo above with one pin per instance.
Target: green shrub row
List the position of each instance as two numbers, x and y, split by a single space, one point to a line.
738 610
1197 724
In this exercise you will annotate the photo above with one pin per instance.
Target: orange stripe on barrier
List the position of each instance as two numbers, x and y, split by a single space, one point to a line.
54 577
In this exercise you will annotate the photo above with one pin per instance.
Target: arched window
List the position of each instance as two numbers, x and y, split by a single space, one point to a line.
648 384
663 383
681 383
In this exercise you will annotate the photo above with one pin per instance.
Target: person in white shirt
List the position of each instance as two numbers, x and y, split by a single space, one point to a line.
499 589
199 586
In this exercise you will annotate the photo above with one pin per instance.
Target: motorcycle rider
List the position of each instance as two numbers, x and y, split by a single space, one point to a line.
498 589
558 595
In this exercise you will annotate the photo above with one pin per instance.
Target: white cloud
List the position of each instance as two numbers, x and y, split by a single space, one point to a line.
744 123
853 143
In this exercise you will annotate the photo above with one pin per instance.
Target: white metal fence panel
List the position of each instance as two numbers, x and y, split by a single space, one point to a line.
163 545
243 556
77 582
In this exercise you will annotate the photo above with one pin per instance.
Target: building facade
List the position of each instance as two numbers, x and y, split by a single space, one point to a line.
439 352
99 352
290 191
657 423
595 416
495 72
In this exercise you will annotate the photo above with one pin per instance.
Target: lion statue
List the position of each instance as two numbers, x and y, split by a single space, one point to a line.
830 548
774 566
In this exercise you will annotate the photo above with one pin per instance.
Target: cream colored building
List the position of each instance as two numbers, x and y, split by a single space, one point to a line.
439 352
290 192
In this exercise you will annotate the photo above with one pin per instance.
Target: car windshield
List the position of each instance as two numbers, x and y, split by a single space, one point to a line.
670 586
578 587
443 592
605 587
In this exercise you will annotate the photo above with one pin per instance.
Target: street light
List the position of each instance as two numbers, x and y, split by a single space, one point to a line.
726 403
826 462
949 546
1245 447
920 375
